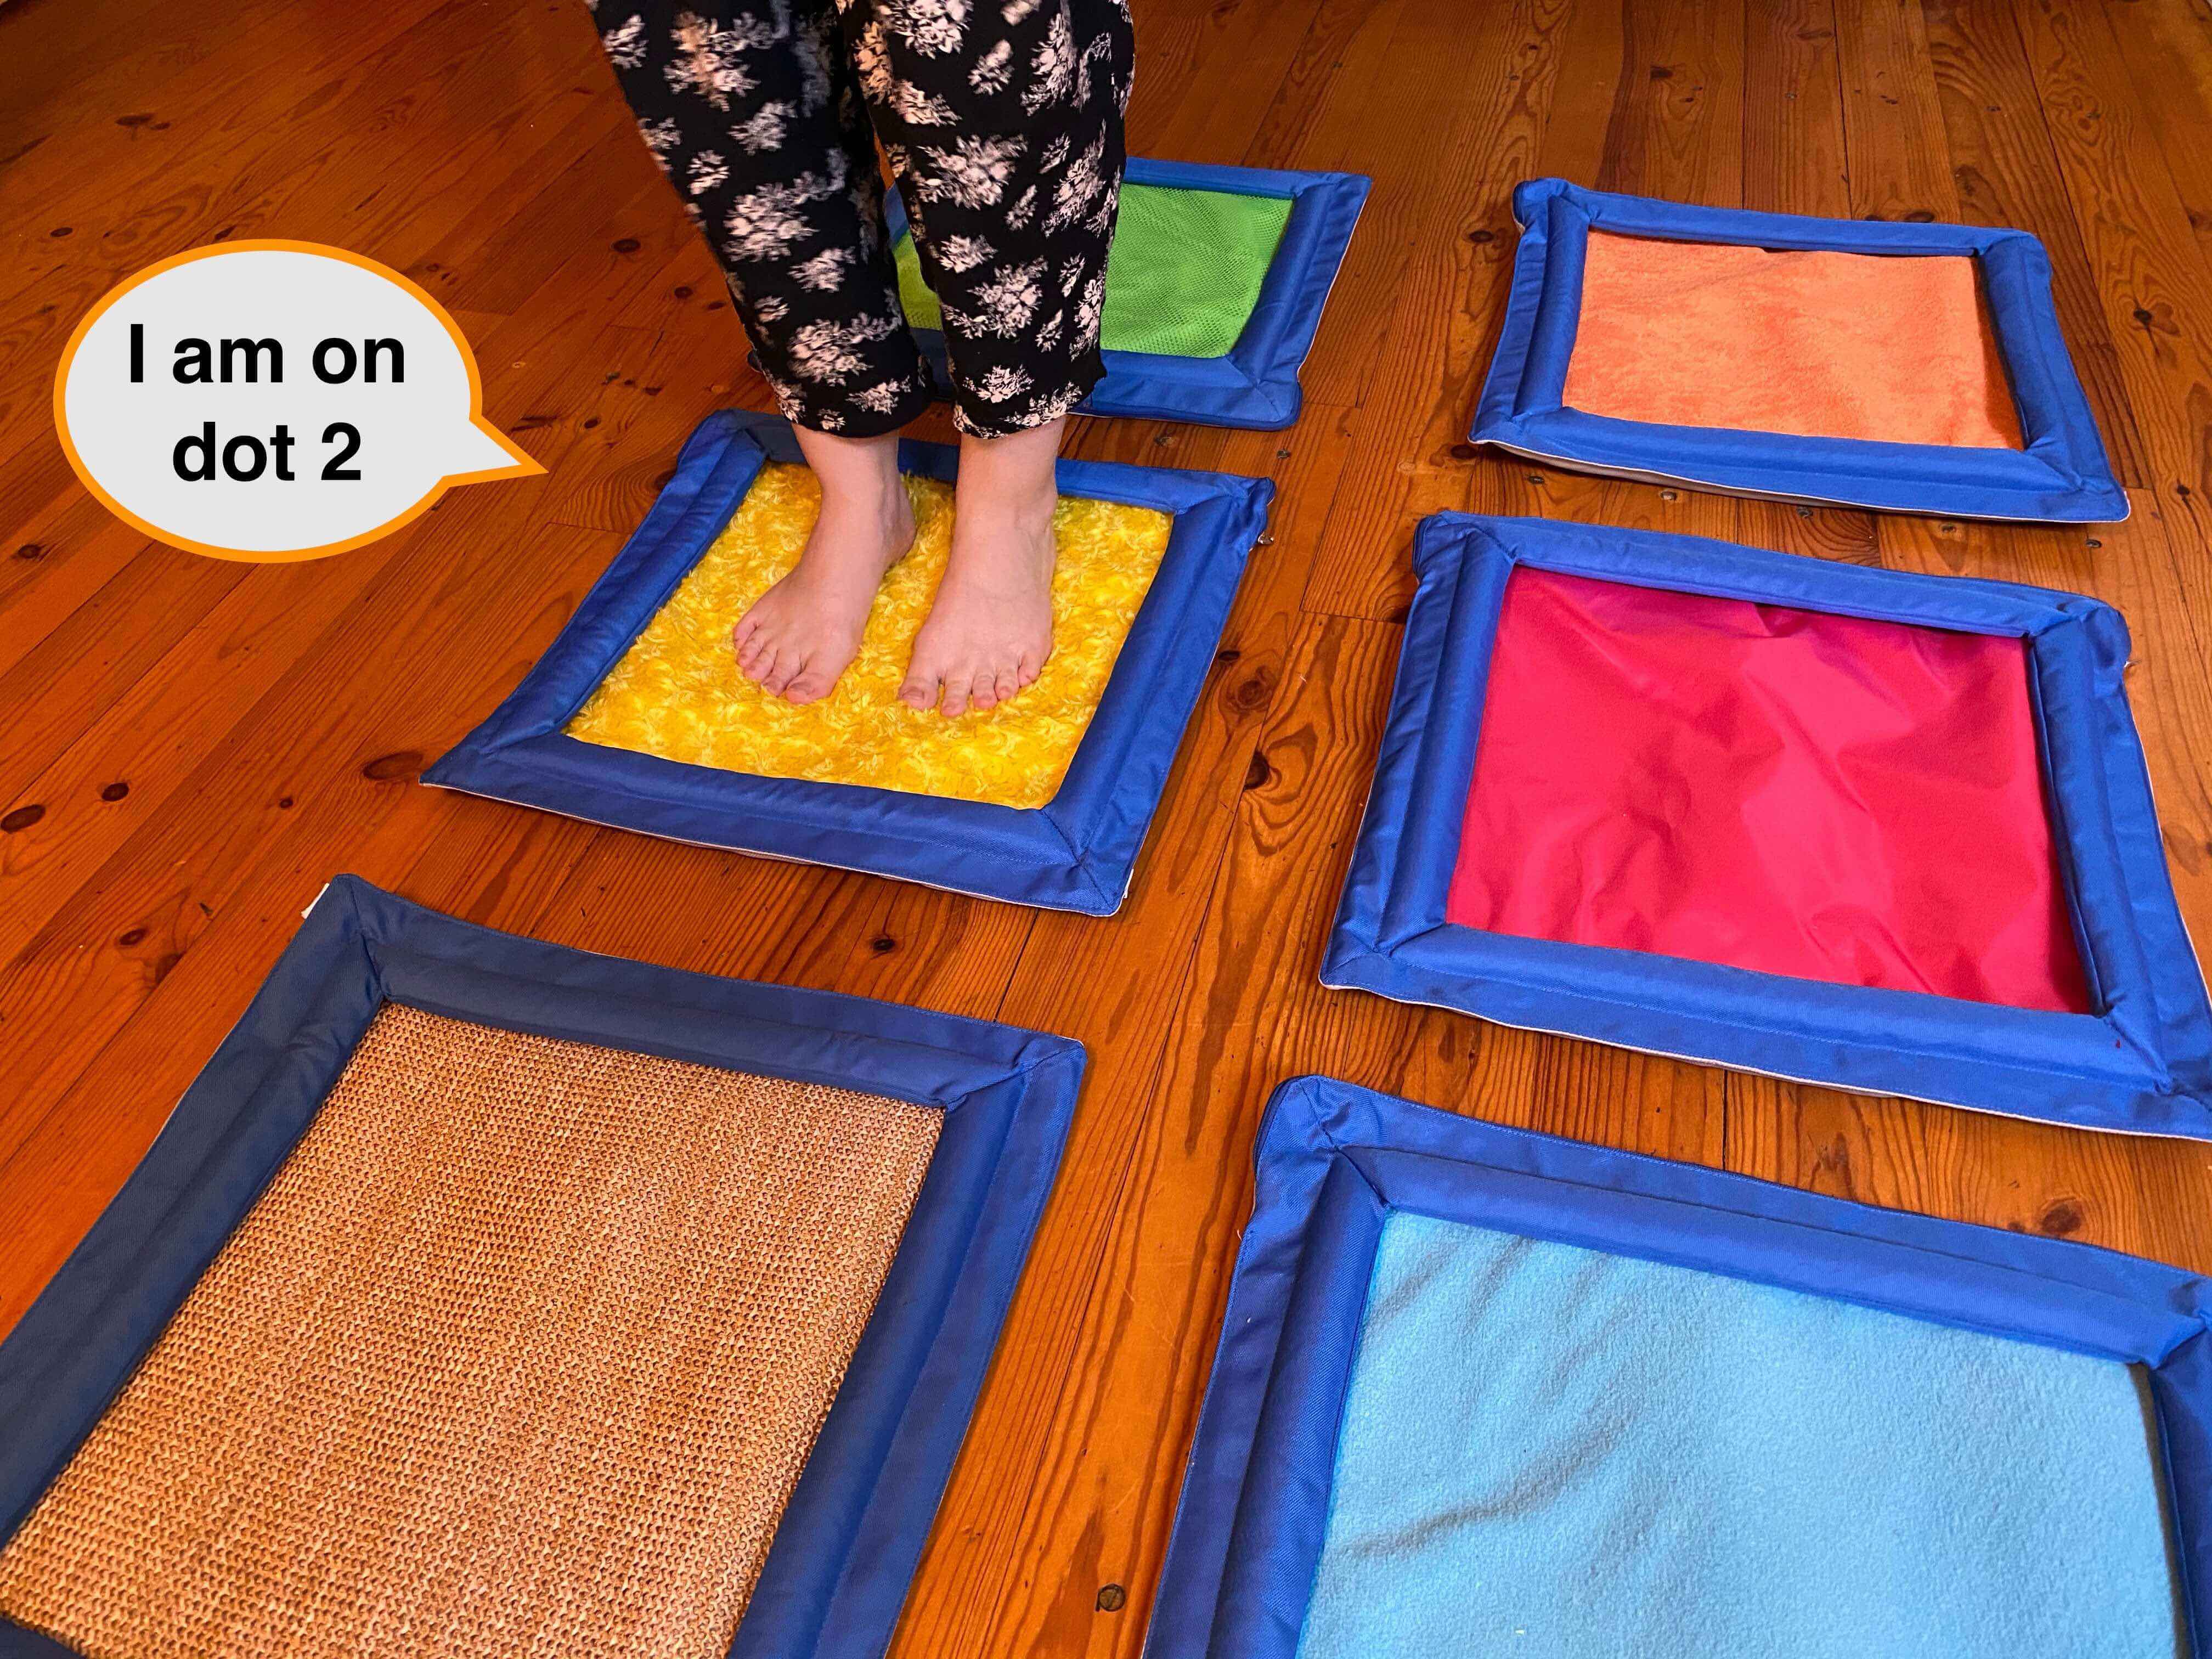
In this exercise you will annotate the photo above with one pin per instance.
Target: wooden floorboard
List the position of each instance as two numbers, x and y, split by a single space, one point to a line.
188 749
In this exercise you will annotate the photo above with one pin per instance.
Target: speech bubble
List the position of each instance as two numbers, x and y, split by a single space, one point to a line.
273 401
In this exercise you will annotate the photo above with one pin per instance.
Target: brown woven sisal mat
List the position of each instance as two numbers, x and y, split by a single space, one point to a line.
521 1353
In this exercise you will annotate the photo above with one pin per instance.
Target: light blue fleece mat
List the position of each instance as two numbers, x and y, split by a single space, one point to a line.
1547 1451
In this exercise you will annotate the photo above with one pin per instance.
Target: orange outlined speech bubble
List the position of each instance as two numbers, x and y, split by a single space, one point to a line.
273 401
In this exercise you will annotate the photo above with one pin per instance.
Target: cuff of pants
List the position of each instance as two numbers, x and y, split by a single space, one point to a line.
979 419
823 409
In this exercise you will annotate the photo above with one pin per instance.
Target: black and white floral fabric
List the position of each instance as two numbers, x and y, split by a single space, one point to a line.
1001 120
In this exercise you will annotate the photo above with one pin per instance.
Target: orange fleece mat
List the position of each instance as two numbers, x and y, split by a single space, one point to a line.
1816 344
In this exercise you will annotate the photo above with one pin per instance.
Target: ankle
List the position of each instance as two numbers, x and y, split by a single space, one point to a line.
1026 517
859 477
1004 561
842 553
865 506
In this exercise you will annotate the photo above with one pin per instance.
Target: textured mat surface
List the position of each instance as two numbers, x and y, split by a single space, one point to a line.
521 1353
677 693
1789 791
1555 1453
1817 343
1182 279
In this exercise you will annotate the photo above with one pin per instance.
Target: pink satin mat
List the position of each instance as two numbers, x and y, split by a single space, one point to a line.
1812 343
1783 790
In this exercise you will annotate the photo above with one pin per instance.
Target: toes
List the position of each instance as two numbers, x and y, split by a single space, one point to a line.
955 695
983 694
756 647
811 685
1006 684
787 667
919 692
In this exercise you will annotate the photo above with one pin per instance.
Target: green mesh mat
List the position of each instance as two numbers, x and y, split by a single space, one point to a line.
1183 277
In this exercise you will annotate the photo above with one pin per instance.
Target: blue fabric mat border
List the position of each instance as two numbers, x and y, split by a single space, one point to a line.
2062 476
2144 1064
837 1575
1076 853
1335 1160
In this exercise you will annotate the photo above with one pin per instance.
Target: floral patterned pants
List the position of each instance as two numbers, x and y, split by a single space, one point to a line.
1001 120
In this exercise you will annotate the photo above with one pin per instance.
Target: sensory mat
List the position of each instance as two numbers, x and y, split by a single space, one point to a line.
484 1296
1911 368
637 716
1215 286
1844 825
673 693
1482 1390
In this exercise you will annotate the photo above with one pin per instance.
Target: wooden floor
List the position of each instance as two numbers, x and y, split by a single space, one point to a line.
188 748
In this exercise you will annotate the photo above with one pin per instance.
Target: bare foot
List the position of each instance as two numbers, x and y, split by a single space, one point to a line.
990 629
799 636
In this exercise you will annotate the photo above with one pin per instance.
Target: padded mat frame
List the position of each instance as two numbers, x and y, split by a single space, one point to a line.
1256 384
2144 1064
2062 474
853 1531
1078 852
1335 1161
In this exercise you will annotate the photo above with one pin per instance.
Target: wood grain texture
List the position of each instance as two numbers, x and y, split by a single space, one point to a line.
188 750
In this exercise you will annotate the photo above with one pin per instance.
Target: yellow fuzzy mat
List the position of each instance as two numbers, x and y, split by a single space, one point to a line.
677 693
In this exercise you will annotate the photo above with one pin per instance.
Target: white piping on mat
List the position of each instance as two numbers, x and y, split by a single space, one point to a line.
1779 1077
779 857
1569 465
